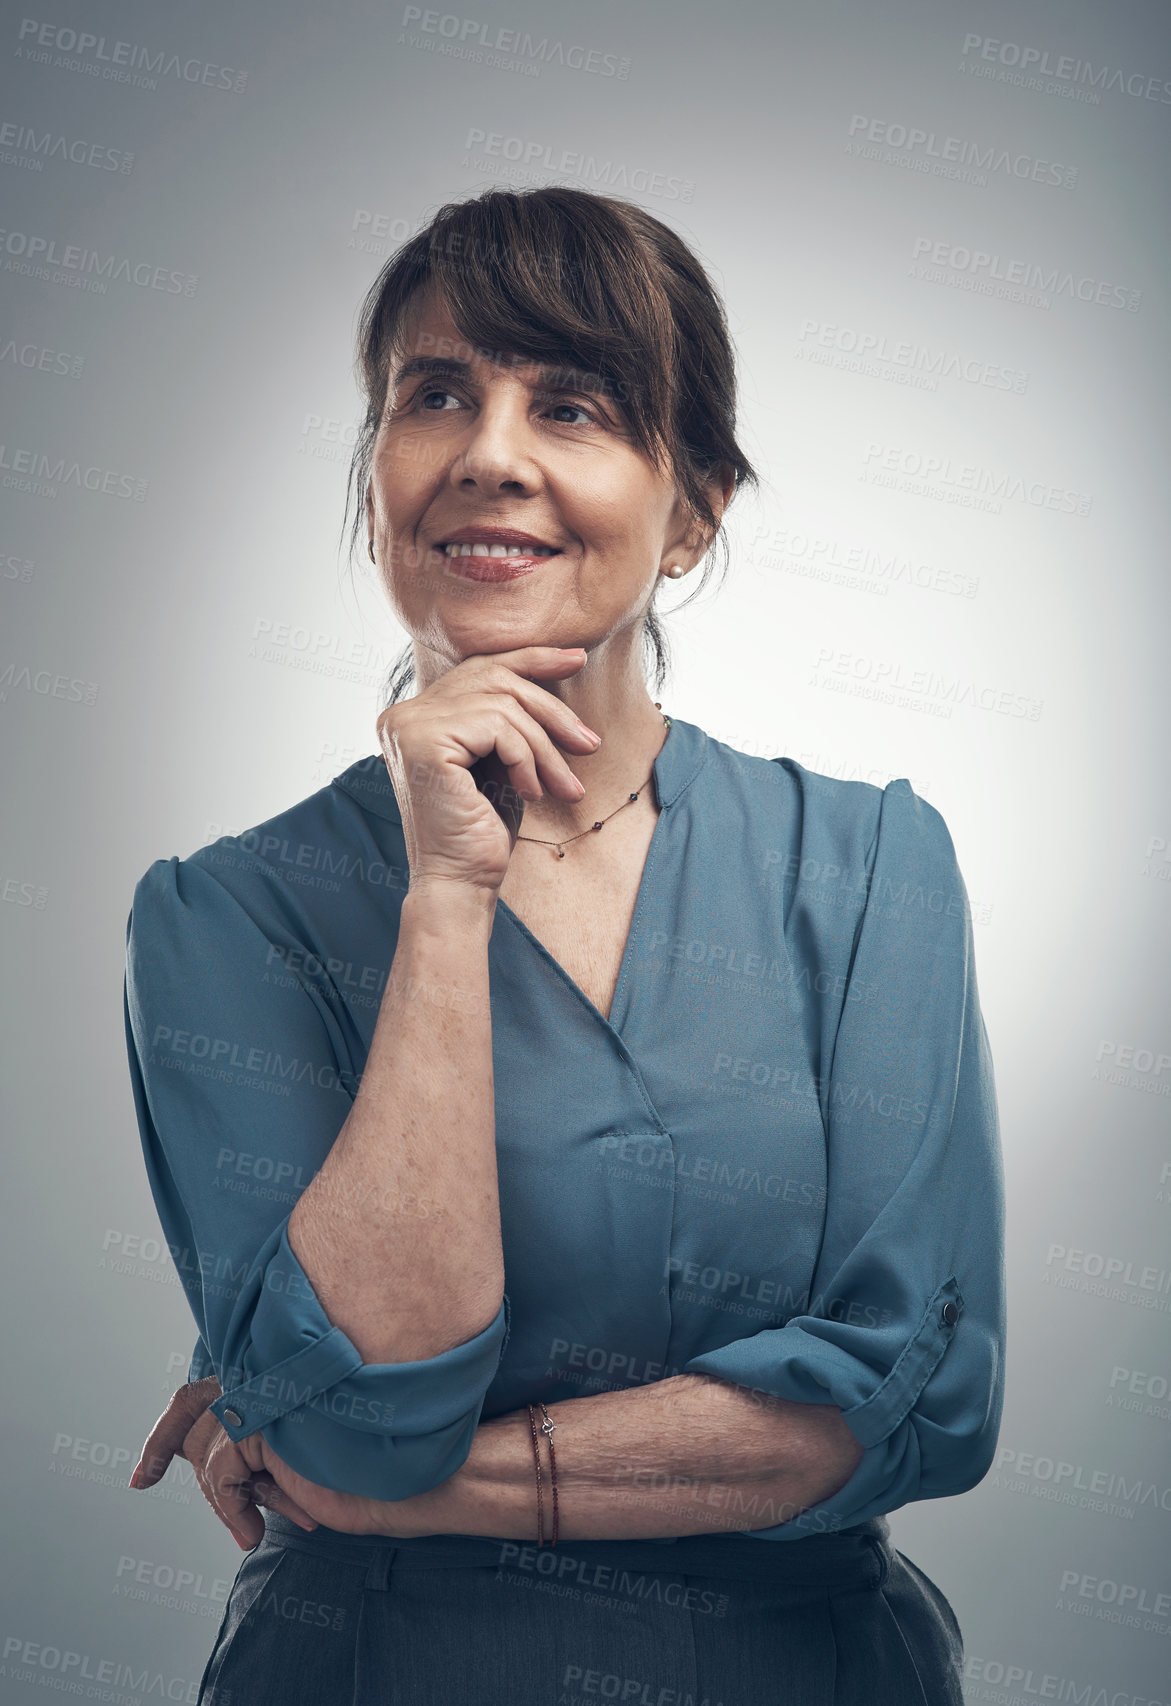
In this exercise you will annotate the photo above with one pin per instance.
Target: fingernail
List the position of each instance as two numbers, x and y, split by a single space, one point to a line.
578 785
589 733
134 1477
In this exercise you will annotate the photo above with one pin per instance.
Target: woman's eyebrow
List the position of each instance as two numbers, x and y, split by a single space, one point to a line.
438 364
548 373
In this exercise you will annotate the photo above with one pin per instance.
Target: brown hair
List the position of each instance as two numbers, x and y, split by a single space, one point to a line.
590 282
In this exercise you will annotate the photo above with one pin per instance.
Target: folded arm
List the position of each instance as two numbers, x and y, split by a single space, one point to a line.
335 1220
685 1455
905 1324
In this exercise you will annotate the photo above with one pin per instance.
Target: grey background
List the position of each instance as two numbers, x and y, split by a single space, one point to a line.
226 664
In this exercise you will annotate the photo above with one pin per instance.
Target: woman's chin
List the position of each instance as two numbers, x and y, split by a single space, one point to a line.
470 627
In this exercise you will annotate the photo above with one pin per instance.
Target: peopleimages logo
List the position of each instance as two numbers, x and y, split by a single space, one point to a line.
884 680
86 269
47 684
32 148
932 363
118 61
37 359
69 1668
988 270
911 141
537 156
1016 1683
467 36
1038 62
966 483
42 473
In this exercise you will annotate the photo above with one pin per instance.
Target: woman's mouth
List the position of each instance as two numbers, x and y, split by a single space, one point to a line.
494 560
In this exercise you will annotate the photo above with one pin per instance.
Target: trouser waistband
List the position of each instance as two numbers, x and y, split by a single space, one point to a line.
851 1556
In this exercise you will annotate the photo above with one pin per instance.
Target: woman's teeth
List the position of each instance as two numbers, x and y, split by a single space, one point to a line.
499 551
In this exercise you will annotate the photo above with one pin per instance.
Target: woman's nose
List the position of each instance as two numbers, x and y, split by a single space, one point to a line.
497 451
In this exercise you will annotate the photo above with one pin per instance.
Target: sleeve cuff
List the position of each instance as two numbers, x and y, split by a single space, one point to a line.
296 1360
876 1409
810 1361
876 1417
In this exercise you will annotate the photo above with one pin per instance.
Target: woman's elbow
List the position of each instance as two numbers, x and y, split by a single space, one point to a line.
955 1459
382 1466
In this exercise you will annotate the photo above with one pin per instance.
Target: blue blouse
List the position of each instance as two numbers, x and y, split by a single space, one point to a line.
776 1163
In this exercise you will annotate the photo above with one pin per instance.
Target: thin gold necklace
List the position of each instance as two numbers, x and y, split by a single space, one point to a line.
560 846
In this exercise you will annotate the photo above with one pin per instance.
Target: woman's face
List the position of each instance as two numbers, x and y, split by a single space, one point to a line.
476 450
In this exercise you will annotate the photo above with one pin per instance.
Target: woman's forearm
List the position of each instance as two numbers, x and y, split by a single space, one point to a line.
686 1455
399 1231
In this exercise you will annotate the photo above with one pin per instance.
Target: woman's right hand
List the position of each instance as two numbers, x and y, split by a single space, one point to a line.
231 1474
486 704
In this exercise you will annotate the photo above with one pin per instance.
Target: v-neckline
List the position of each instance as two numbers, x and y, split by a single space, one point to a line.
640 899
680 759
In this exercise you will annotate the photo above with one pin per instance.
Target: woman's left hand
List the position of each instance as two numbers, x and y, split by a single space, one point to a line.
237 1476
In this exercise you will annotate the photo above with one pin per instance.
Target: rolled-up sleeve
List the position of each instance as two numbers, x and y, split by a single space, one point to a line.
905 1325
242 1079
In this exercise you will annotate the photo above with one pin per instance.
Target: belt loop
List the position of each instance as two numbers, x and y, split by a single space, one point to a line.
883 1556
378 1572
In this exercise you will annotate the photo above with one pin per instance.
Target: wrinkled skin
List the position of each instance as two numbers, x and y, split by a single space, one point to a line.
238 1477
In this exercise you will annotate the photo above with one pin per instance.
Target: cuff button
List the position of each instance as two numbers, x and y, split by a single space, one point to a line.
235 1420
950 1315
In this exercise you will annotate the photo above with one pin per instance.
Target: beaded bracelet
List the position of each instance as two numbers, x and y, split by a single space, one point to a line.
547 1427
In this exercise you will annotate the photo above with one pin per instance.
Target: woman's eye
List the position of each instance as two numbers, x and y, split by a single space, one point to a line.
437 401
574 409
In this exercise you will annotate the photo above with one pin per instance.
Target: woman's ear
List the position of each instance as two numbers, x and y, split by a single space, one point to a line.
369 507
720 489
694 535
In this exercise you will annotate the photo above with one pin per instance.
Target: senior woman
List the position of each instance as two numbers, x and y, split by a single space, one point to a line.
577 1138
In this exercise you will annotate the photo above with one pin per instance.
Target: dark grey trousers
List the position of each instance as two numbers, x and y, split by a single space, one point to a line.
328 1619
